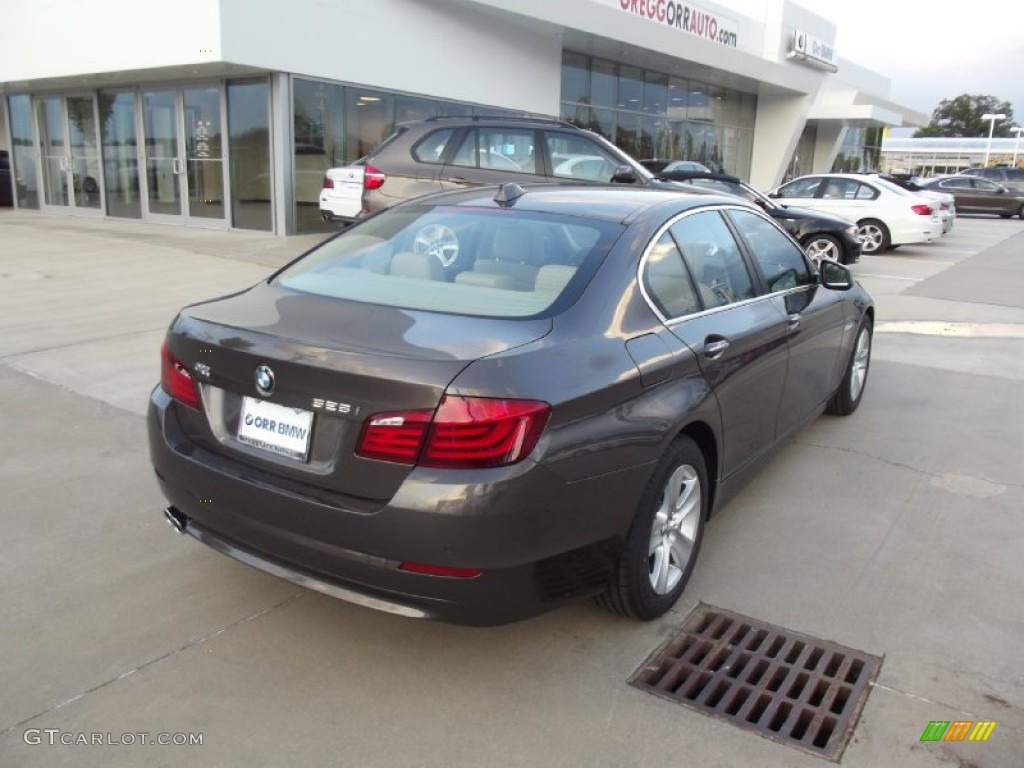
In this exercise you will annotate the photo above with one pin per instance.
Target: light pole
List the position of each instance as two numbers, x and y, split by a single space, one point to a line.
1016 129
991 127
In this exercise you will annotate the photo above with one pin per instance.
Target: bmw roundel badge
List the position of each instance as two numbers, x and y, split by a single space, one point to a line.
264 380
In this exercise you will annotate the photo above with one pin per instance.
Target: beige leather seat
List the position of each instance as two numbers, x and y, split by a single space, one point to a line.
418 265
511 261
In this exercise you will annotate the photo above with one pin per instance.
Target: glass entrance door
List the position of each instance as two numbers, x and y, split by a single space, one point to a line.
163 163
184 158
69 152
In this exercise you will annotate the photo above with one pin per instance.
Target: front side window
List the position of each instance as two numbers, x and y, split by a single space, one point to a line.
800 187
577 157
780 260
713 258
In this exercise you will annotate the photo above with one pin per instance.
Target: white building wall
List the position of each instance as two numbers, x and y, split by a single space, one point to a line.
429 47
66 38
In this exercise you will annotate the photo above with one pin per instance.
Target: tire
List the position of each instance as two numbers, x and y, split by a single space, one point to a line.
855 377
822 246
1020 213
664 539
874 236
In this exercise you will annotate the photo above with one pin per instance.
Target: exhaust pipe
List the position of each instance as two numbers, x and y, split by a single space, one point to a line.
176 518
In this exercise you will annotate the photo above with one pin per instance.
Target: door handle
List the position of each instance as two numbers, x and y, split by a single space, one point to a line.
65 162
177 166
793 322
458 180
713 349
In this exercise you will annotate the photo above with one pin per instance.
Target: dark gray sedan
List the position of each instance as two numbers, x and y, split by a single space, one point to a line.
974 194
479 405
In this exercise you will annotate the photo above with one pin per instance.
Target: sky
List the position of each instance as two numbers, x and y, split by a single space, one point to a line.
931 49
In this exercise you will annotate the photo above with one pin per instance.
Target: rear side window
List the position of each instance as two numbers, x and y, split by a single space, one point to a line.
667 280
956 183
479 262
713 258
430 149
498 149
1015 174
992 173
780 260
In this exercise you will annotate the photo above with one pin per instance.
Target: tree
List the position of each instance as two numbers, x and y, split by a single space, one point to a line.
961 116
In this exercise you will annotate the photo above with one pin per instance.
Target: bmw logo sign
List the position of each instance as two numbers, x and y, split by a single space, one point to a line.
264 380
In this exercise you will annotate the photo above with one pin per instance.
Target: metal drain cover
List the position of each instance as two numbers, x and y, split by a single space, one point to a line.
789 687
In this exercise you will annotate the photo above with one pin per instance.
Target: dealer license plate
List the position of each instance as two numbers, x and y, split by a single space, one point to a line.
275 428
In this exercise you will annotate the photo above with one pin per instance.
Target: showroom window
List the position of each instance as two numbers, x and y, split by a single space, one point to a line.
650 114
249 146
335 125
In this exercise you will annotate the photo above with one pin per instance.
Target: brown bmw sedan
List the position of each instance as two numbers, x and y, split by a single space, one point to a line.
478 405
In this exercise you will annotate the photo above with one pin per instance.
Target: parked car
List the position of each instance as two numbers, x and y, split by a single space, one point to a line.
823 236
479 405
977 195
686 165
341 196
1011 178
453 152
885 216
946 201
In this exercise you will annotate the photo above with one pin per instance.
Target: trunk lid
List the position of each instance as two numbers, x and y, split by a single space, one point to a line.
333 363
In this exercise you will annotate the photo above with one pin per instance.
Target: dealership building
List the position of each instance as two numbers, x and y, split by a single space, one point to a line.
225 113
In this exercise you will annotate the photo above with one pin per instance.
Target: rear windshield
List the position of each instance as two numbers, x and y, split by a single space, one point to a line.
476 262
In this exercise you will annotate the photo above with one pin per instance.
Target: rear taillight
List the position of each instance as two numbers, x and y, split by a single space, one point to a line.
176 379
328 183
373 178
923 210
464 433
394 436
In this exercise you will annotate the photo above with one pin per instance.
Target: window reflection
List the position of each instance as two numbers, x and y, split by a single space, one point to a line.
249 145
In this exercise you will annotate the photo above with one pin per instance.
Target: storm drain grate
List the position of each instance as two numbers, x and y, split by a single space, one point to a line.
790 687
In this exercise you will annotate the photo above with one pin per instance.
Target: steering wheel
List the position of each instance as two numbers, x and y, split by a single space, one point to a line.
438 241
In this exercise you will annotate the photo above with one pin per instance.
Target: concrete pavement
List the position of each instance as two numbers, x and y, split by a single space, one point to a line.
896 531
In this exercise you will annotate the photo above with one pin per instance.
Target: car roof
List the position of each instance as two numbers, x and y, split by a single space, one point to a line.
612 203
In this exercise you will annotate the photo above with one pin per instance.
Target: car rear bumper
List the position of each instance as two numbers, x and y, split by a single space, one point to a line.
342 208
538 540
911 231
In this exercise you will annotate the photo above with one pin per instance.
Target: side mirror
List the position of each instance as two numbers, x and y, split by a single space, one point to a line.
774 195
835 276
624 175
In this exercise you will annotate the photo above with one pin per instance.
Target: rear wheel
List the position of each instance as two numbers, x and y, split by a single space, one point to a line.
874 236
662 544
821 246
847 397
1020 213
